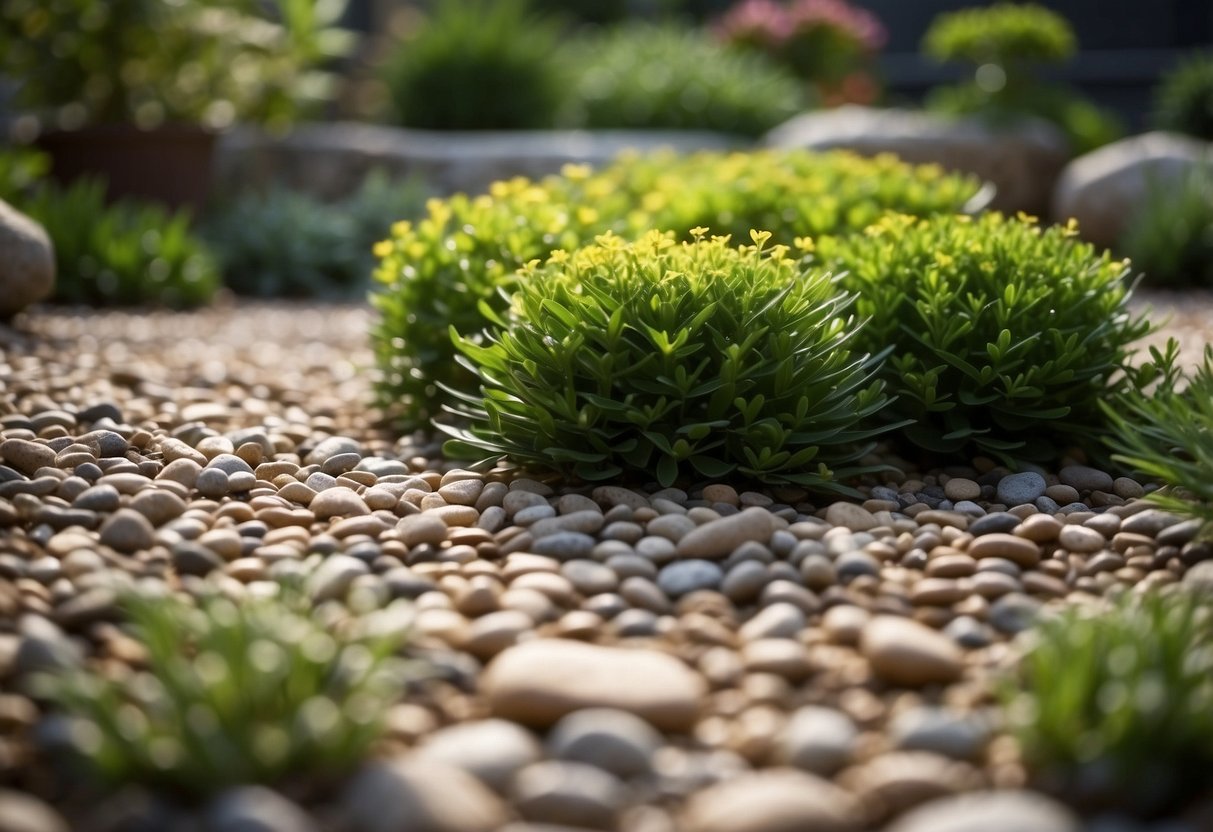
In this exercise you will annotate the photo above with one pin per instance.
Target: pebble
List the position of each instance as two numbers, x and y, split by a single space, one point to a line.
818 740
905 652
540 681
614 740
896 781
492 750
127 531
338 502
998 521
333 577
773 800
959 488
1080 539
1013 613
421 796
21 812
565 545
851 516
1001 811
717 538
1150 522
1017 549
940 730
418 529
777 620
685 576
1083 478
26 455
569 794
256 809
1020 489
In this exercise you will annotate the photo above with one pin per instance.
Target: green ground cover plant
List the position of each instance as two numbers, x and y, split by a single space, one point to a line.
1171 236
1184 98
1005 336
476 65
669 76
1005 44
282 243
128 252
1113 706
1167 435
672 359
434 272
233 693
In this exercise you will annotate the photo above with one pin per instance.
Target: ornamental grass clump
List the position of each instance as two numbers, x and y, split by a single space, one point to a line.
434 272
667 359
1184 98
1005 336
232 693
1113 705
1167 435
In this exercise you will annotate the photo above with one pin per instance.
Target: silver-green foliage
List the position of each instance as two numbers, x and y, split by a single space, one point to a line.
1167 435
664 359
1115 705
1005 336
255 692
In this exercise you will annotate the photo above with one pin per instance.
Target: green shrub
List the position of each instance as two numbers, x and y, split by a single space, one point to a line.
254 692
434 272
652 76
476 65
829 43
1171 237
1168 436
1005 336
1114 706
672 359
281 243
1005 44
1003 34
127 252
1184 99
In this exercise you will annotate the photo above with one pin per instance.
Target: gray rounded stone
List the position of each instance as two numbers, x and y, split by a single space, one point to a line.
685 576
256 809
493 750
613 740
1020 489
818 740
962 736
569 794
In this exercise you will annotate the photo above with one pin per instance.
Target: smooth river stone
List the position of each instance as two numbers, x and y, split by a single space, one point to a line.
540 681
717 538
773 800
1023 552
905 652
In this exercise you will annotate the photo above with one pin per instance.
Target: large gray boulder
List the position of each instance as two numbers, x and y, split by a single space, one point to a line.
1105 188
1022 161
27 261
330 160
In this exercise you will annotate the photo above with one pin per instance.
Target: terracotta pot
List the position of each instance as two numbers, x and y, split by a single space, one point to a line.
170 164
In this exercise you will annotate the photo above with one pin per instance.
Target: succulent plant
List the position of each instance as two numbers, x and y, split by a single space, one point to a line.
1005 336
655 76
1167 434
1184 99
254 692
672 359
1113 705
434 272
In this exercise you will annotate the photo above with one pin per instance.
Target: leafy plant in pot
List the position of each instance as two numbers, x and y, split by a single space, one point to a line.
136 90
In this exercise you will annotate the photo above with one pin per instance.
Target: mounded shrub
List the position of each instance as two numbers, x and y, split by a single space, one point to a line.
281 243
691 359
1005 336
1167 435
433 273
667 76
255 692
476 65
1171 237
1113 705
1005 43
1184 99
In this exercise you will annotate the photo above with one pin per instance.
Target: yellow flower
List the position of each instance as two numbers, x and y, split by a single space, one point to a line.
382 248
760 238
1071 228
587 215
804 244
557 256
576 173
698 231
1025 217
402 228
944 259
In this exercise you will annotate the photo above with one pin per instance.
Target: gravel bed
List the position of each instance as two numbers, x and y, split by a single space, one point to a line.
712 660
